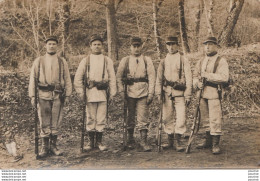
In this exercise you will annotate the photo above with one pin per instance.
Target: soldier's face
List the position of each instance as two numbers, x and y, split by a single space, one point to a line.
96 47
136 49
51 47
172 47
210 47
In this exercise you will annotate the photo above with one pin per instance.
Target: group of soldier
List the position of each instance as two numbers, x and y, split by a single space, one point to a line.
95 82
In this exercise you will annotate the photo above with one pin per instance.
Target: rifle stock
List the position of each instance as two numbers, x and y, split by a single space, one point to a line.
84 116
125 118
36 119
159 134
196 123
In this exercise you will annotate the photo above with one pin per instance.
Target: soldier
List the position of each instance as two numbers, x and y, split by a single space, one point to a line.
137 72
174 74
209 73
100 77
54 89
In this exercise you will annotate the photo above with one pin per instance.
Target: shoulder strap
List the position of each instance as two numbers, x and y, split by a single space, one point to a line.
60 62
216 64
43 68
87 66
126 70
104 66
145 66
39 67
181 64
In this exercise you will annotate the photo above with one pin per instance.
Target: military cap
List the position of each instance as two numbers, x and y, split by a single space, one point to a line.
136 41
171 39
95 37
211 39
53 38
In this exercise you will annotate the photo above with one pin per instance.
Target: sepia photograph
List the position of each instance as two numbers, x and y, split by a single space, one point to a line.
129 84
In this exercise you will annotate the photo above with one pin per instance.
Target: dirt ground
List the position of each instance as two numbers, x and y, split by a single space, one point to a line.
240 149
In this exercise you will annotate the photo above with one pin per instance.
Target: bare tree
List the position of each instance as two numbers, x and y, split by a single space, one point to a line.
197 22
184 37
152 28
111 29
208 15
32 9
156 32
225 35
64 22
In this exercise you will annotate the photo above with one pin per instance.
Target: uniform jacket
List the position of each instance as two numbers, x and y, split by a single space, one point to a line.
50 76
220 76
137 70
96 66
170 71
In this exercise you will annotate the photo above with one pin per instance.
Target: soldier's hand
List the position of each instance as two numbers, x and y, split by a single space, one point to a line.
66 101
33 101
159 98
122 95
81 96
187 101
200 85
149 99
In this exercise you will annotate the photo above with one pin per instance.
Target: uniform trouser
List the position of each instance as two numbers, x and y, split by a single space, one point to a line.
172 124
50 115
139 107
96 116
211 115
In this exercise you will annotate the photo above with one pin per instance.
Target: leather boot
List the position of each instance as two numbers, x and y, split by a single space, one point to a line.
144 145
54 148
45 147
170 142
179 147
215 147
130 139
99 144
91 141
207 143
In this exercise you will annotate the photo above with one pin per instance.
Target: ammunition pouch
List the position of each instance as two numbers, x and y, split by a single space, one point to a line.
211 84
131 81
46 87
52 88
101 85
178 85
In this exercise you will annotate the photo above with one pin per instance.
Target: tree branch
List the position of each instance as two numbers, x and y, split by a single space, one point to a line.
27 43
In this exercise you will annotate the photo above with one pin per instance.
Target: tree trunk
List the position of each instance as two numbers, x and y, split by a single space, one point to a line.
156 32
208 13
111 29
225 35
184 37
152 28
231 3
66 8
197 23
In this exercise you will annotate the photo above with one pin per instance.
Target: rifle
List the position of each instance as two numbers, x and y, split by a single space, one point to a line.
107 94
125 118
196 122
36 119
159 133
84 115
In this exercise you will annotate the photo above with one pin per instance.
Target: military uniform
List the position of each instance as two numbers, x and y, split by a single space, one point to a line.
96 68
174 69
139 75
54 87
210 105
